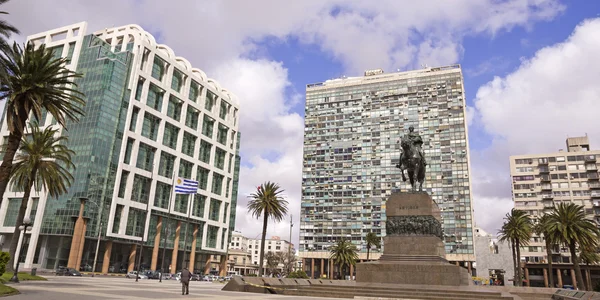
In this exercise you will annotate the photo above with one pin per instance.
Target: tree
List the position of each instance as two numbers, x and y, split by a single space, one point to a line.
273 260
516 230
372 240
5 30
288 260
43 161
542 227
569 226
343 253
268 203
589 256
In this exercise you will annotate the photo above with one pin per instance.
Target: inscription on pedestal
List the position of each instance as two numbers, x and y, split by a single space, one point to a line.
413 225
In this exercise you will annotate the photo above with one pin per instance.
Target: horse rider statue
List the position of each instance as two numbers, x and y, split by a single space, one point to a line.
412 159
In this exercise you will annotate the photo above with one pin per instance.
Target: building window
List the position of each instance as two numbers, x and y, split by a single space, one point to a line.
140 191
139 88
170 136
217 184
191 118
185 169
163 193
225 213
34 207
155 97
211 99
158 68
202 177
189 144
195 90
220 158
117 219
177 81
199 206
10 219
223 110
150 126
128 150
174 108
145 159
166 165
207 126
123 183
227 188
213 232
181 203
205 149
135 222
230 163
222 134
215 207
134 117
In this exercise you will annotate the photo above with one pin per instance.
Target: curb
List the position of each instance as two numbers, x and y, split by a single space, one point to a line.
100 274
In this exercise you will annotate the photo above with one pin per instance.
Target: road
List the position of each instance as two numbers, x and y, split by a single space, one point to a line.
61 288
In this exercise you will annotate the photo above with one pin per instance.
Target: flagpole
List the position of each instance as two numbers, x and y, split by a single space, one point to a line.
162 263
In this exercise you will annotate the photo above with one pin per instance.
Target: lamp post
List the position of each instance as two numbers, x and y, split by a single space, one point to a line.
25 225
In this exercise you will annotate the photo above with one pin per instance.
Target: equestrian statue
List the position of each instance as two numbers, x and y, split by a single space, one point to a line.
412 159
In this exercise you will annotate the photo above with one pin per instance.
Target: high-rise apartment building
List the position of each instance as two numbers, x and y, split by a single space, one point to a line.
352 137
540 181
150 118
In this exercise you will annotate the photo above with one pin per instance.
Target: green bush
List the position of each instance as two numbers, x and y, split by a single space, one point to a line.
298 274
251 275
4 258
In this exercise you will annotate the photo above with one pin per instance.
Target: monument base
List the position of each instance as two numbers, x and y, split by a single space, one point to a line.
413 249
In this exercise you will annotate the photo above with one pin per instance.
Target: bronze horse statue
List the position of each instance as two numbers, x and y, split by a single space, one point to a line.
412 161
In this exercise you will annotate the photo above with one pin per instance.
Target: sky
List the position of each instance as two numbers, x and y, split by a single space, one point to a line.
531 71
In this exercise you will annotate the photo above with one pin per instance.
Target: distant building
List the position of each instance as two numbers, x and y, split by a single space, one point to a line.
494 258
241 248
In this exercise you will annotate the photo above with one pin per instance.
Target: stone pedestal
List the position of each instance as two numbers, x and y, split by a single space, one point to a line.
413 248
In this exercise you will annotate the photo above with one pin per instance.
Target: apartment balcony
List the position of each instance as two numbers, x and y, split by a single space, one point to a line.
589 158
594 185
591 167
595 195
596 203
545 178
546 187
593 176
547 197
542 161
544 170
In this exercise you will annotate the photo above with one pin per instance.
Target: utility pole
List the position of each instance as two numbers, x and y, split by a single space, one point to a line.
137 276
168 229
290 245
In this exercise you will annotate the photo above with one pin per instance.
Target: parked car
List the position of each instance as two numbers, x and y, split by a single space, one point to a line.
153 274
133 274
62 271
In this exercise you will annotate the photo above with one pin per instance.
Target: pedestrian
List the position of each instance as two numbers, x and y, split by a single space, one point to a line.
185 281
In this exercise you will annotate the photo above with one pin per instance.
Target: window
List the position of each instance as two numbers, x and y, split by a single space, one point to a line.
225 213
139 88
123 183
174 108
220 158
235 116
185 169
230 163
34 207
158 68
70 52
212 233
217 184
170 136
223 110
150 126
165 167
189 144
145 159
222 134
163 193
207 126
198 210
191 117
211 99
155 97
117 219
140 192
202 177
195 91
177 80
10 220
215 207
134 117
227 187
205 149
135 222
232 139
128 150
181 203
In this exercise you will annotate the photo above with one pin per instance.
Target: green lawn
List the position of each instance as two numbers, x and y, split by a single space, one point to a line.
22 277
7 290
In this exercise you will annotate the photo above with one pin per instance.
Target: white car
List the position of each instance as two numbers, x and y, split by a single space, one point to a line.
133 274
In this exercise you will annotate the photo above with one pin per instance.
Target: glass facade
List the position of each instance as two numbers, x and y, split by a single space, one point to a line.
352 144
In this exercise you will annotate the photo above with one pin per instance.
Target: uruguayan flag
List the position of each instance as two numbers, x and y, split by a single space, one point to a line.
185 186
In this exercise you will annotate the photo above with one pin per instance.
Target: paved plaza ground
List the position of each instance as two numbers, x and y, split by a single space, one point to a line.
88 288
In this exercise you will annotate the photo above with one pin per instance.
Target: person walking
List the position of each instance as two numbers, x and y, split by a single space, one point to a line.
185 281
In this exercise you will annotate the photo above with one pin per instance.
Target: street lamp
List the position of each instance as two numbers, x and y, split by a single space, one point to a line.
24 227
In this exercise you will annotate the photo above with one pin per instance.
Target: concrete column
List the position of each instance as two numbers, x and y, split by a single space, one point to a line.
559 278
193 251
330 268
223 265
322 267
207 264
574 279
545 277
312 268
469 268
351 271
76 242
132 254
527 276
106 260
588 276
175 249
156 244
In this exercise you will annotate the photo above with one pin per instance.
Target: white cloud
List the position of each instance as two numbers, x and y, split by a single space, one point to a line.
216 36
552 95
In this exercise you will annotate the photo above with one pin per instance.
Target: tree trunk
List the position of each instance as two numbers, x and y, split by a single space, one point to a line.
262 244
342 273
12 145
550 273
520 271
580 282
14 242
368 249
514 255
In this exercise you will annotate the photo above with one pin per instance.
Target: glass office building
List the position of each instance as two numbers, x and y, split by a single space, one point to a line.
352 144
150 117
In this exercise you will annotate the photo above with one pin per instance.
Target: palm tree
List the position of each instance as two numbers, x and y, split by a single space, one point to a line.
5 30
343 253
43 161
569 226
34 81
517 231
589 256
268 202
372 240
542 227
